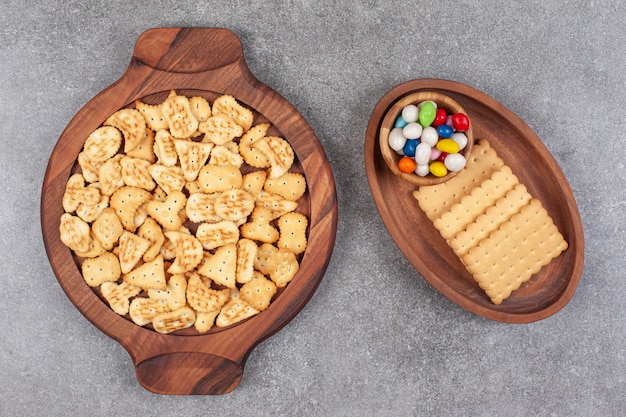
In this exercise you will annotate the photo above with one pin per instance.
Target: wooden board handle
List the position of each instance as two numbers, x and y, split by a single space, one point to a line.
184 373
187 50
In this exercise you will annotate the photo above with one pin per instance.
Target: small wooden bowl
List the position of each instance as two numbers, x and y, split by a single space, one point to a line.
391 157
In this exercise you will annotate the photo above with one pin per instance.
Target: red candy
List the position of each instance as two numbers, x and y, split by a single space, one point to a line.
440 117
460 122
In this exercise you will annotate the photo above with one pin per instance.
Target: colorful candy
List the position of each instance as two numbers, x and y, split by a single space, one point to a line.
429 139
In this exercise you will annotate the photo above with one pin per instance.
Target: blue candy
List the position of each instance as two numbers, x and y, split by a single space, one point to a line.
400 122
409 147
444 131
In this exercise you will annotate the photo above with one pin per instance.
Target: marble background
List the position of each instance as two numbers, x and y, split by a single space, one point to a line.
376 339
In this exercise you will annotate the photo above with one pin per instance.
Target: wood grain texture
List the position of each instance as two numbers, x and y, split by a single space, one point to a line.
207 62
549 290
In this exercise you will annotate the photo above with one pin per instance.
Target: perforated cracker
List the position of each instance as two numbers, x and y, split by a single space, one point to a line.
475 203
200 207
89 213
218 178
173 294
107 228
264 260
164 148
246 255
235 310
177 112
214 235
132 125
145 148
131 249
167 213
118 295
514 252
278 152
254 157
135 173
76 192
253 182
291 186
234 205
221 267
292 227
486 223
74 232
151 231
188 252
204 299
179 319
152 114
200 108
258 292
437 199
219 129
125 201
170 179
276 204
89 168
103 143
100 269
223 155
193 156
110 175
259 227
227 105
285 267
143 310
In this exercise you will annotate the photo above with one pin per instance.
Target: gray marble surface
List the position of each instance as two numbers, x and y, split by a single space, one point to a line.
376 339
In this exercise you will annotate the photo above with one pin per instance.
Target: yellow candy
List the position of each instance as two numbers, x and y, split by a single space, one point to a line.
448 146
438 169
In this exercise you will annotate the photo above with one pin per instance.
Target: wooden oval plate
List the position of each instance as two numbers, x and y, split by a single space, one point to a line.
520 148
207 62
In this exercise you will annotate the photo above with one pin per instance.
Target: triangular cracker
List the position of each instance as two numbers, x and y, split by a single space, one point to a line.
150 275
221 267
131 249
193 156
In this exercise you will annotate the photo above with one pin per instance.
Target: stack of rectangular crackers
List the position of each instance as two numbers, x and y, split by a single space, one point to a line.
498 230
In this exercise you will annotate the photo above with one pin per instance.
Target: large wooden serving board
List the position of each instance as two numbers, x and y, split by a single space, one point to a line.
520 148
207 62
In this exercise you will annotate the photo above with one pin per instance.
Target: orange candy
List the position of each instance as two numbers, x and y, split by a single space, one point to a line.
407 164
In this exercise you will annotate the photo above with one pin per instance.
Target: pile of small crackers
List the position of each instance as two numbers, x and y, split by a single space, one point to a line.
184 213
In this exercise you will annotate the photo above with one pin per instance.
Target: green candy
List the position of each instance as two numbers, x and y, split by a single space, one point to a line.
427 114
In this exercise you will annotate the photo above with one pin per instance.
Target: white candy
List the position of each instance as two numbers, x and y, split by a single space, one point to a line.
422 170
422 154
396 139
412 131
410 113
454 162
430 136
460 138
